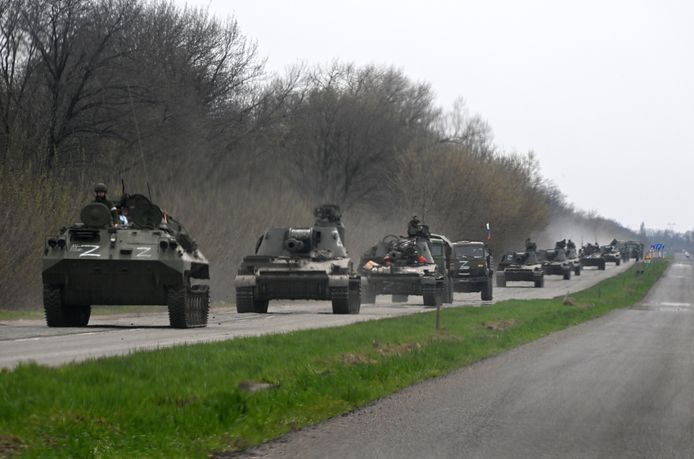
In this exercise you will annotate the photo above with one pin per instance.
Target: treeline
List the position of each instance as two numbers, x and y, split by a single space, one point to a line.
152 93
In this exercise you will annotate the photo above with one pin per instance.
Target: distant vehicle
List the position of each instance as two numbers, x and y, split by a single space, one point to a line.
474 269
591 256
308 263
611 254
151 260
402 266
521 266
562 260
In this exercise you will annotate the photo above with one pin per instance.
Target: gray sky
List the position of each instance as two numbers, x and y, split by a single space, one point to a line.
602 91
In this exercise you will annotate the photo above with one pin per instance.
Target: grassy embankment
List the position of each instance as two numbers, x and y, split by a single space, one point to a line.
186 401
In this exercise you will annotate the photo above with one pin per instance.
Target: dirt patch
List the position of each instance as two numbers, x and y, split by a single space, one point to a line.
500 325
255 386
10 446
388 350
355 359
570 301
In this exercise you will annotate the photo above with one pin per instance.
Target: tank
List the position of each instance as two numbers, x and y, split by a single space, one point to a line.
562 260
309 263
521 266
474 270
591 256
402 266
148 260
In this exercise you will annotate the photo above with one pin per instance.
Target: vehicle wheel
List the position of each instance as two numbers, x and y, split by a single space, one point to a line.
345 300
487 290
399 299
567 274
368 295
432 296
577 270
540 282
62 315
500 280
189 306
601 266
619 262
448 291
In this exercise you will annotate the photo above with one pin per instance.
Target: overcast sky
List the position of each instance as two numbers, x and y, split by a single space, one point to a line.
602 91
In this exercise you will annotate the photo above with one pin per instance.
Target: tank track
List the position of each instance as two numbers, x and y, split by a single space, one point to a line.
188 306
246 302
344 302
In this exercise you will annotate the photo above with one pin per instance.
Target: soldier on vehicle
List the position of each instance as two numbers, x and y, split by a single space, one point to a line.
413 228
100 192
530 246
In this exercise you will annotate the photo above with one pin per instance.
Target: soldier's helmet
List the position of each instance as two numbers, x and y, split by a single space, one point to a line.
100 187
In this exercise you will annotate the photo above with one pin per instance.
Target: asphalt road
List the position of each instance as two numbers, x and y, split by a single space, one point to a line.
32 340
619 386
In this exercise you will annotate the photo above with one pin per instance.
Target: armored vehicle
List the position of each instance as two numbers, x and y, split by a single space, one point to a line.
473 271
591 255
300 264
521 266
611 254
401 266
631 249
148 260
561 261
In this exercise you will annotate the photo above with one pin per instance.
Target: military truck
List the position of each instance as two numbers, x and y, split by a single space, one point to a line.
562 260
474 270
402 266
309 263
591 256
148 260
521 266
631 249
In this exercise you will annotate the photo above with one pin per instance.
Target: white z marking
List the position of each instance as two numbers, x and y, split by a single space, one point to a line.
143 252
90 252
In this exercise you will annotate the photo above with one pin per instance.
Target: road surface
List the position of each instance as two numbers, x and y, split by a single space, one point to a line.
32 340
618 386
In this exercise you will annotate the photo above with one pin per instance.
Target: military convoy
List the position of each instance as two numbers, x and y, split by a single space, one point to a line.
402 266
309 263
149 259
473 269
139 255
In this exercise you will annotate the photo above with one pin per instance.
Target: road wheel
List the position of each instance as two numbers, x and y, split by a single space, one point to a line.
62 315
577 270
189 306
487 290
399 299
619 262
601 266
500 280
567 274
540 282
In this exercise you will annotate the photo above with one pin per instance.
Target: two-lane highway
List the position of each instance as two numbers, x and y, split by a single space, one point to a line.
31 340
619 386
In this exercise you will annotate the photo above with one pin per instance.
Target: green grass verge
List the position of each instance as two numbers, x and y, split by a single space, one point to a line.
186 402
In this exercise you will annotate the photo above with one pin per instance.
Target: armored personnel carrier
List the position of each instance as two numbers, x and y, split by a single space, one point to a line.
474 270
591 255
562 260
150 260
308 263
521 266
402 266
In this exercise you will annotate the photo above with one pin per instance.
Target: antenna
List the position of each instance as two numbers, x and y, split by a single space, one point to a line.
149 191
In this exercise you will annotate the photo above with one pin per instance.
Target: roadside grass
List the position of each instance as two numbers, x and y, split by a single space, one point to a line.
190 401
